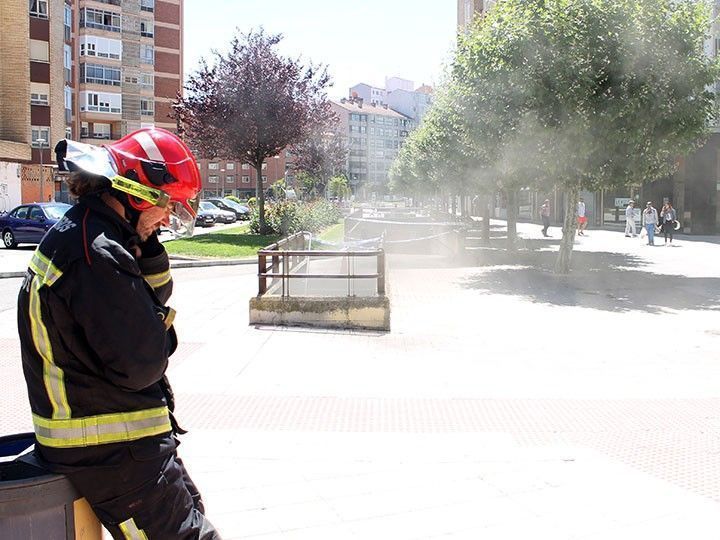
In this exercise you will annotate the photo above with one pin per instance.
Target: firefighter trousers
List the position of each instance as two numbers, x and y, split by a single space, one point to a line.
146 500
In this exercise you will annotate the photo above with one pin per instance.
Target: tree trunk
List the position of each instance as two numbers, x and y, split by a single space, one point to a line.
511 197
260 200
454 206
562 265
486 220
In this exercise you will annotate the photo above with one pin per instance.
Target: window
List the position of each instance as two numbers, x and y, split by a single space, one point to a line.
100 47
147 5
146 29
97 74
147 107
147 54
39 93
230 166
68 22
213 179
245 166
213 166
100 102
100 19
20 213
39 8
39 50
264 179
264 166
230 179
67 63
147 80
101 131
84 130
245 179
68 132
40 133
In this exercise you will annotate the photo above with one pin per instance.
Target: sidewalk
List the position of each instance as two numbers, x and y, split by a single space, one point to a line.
506 403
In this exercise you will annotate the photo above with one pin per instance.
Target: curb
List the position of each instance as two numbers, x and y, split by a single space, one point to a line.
194 263
174 263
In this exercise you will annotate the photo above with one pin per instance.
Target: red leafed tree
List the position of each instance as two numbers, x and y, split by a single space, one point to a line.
321 156
251 103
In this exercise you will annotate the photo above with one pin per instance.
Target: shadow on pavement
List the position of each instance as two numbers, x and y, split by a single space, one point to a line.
600 280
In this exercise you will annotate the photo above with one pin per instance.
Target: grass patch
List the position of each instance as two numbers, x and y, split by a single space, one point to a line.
334 233
238 242
231 243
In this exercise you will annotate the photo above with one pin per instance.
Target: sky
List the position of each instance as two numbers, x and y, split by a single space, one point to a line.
362 41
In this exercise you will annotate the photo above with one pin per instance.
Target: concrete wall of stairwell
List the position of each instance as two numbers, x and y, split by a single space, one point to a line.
341 312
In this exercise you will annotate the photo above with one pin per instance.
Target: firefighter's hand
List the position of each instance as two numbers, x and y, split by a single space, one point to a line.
151 247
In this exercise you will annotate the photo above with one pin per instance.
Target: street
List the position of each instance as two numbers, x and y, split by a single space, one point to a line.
506 402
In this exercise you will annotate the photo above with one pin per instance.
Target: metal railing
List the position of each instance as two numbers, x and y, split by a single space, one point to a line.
280 262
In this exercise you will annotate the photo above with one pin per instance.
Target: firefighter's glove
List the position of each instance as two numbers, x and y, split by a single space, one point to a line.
151 247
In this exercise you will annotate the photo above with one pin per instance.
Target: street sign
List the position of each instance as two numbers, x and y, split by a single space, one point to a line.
621 202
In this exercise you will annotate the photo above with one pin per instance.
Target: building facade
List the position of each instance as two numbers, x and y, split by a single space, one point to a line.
90 70
467 9
375 134
222 177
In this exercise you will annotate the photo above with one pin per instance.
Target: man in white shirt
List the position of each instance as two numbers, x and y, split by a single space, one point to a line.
581 218
630 220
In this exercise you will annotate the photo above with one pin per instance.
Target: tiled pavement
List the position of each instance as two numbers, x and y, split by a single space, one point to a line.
506 403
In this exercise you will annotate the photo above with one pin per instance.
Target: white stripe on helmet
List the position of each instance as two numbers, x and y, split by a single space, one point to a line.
147 143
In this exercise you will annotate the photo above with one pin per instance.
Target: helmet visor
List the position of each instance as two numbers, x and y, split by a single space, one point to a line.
182 221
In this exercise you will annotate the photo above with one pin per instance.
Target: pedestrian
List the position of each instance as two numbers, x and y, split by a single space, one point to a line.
581 217
630 219
649 221
668 217
545 215
96 335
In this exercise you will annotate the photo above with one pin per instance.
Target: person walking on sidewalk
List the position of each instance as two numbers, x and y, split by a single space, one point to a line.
649 221
545 215
581 217
630 220
96 335
668 216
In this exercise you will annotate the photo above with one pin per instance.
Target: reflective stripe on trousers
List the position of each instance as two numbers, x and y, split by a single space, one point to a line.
131 531
101 429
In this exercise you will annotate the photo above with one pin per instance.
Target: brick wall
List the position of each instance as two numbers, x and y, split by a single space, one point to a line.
167 62
14 74
167 37
167 12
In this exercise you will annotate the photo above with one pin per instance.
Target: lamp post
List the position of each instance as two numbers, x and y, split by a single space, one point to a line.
41 142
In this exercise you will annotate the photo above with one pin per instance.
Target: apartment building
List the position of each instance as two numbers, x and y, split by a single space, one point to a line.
467 9
91 70
375 134
222 177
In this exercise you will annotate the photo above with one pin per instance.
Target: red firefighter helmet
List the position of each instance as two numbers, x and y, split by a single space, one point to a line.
151 165
161 162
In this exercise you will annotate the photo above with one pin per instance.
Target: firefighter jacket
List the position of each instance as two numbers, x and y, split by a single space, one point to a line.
95 337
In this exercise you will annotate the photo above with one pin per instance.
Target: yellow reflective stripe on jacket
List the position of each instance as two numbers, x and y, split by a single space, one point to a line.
158 280
43 267
131 532
53 376
101 429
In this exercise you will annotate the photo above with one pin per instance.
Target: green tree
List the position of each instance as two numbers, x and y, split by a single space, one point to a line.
590 93
338 187
252 103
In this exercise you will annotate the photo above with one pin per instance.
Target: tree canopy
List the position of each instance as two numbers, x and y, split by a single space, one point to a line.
251 103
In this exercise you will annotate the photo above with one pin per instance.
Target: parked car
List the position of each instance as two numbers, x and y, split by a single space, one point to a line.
28 223
221 216
241 212
205 217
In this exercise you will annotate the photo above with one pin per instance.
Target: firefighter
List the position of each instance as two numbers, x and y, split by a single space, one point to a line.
96 335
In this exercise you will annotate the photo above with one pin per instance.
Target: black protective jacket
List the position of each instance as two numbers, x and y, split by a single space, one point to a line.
95 338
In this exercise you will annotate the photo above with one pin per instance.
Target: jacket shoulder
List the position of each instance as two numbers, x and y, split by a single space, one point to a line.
84 235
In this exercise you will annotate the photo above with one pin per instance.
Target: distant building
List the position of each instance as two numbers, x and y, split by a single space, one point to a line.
413 104
467 9
368 93
375 134
396 83
223 177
